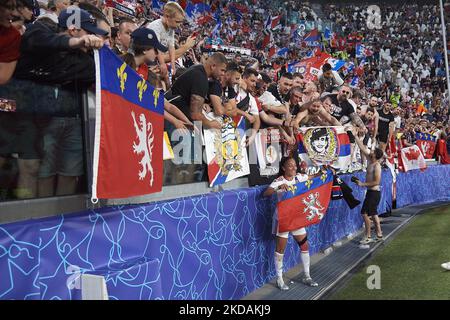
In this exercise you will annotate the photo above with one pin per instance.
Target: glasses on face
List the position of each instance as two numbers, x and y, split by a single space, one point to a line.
346 92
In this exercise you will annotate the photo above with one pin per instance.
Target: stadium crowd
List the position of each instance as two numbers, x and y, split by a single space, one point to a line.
46 61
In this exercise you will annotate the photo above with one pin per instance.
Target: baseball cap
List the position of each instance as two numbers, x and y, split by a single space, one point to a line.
147 37
74 15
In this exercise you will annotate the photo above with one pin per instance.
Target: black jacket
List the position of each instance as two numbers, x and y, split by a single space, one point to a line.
47 58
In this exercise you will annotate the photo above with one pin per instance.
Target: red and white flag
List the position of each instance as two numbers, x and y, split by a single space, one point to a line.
128 148
413 158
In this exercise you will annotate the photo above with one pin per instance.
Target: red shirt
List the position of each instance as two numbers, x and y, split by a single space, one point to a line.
9 44
142 70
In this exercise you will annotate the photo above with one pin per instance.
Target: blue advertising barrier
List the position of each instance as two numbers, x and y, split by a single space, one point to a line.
213 246
417 187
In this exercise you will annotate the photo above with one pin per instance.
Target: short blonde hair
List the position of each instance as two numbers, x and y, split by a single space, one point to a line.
171 8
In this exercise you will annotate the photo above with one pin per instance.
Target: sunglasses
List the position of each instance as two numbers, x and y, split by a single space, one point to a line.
346 92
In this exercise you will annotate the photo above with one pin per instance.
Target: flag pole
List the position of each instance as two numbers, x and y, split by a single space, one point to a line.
444 38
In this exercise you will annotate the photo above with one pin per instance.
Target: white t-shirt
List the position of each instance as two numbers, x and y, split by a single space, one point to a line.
267 98
165 37
282 180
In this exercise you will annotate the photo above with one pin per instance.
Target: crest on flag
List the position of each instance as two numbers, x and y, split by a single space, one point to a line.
268 150
305 203
225 151
128 147
144 133
427 144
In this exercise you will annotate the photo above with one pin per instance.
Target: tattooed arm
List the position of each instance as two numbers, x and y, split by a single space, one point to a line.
196 106
357 121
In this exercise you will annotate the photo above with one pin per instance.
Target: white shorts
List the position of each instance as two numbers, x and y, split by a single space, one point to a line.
298 232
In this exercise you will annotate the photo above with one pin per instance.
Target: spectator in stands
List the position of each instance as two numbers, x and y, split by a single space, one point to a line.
386 125
191 88
54 8
441 149
329 79
126 27
144 48
289 178
315 115
246 100
25 13
281 90
62 163
48 58
173 17
310 92
101 19
9 41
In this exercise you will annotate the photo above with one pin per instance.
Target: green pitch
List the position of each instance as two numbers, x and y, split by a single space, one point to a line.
410 265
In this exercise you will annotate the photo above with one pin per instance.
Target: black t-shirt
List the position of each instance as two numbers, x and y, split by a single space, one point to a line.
385 120
193 81
215 89
273 89
340 110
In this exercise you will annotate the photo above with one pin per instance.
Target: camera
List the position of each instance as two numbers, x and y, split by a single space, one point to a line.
354 179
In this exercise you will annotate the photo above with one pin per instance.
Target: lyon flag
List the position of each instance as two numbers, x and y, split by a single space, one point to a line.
225 151
128 150
305 203
427 143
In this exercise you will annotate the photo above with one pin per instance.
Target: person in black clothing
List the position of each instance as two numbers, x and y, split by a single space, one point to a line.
57 58
385 125
342 110
281 90
189 93
223 90
191 89
47 55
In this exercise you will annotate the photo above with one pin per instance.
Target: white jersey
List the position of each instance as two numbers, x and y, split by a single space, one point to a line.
282 180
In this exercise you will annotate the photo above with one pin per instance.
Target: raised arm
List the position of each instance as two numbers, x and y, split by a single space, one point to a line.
328 117
361 145
357 121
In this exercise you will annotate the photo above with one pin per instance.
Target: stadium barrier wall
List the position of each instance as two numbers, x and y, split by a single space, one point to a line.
417 187
213 246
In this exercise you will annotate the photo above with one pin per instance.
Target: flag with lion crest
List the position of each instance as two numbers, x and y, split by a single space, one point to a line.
128 147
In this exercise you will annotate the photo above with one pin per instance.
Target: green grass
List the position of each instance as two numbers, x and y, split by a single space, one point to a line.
410 264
